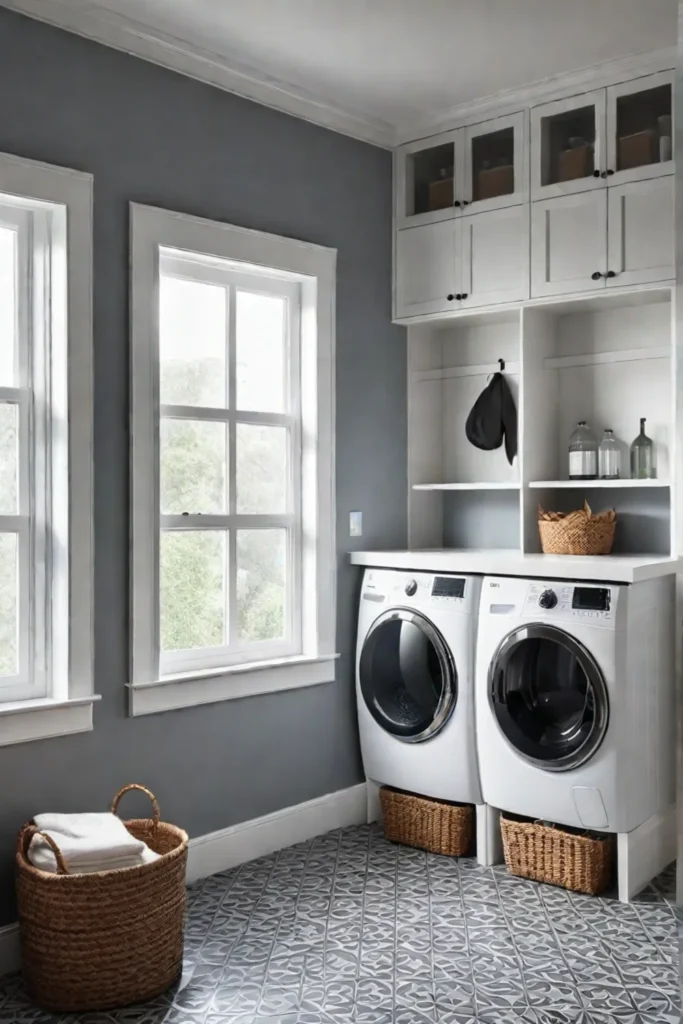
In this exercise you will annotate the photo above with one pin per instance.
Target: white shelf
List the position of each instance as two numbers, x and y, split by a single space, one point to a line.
501 485
589 484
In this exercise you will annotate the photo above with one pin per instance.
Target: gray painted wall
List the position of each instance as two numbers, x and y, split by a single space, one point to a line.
155 137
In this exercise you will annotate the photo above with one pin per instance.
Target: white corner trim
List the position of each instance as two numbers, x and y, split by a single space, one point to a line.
123 33
542 91
42 719
174 692
229 847
10 952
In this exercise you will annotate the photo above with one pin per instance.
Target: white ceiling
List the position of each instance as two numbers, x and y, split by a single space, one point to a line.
400 62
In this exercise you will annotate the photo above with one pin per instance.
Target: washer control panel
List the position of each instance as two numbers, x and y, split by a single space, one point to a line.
571 601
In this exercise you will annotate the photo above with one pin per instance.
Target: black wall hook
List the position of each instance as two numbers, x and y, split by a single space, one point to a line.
501 363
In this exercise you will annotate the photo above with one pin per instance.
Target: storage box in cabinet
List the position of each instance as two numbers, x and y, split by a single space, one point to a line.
495 181
440 194
638 149
574 163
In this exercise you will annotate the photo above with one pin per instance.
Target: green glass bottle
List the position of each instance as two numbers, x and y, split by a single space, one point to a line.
643 456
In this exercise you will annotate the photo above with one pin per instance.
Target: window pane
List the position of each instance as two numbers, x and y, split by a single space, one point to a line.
9 600
8 311
193 586
260 350
261 570
192 342
193 467
8 459
261 469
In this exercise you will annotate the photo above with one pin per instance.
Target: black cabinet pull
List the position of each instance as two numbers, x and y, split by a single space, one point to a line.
458 296
596 174
596 276
604 174
451 297
457 203
609 173
465 202
464 295
611 273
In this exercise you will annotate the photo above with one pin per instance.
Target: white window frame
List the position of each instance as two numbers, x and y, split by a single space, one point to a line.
52 208
307 272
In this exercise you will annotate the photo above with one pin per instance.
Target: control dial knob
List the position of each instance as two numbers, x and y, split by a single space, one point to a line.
411 588
548 599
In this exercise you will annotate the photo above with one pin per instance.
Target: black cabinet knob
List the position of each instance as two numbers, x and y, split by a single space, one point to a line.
604 174
611 273
458 296
596 275
457 203
596 174
451 297
464 295
465 202
610 173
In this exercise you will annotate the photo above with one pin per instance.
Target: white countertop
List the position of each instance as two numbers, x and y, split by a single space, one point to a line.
493 562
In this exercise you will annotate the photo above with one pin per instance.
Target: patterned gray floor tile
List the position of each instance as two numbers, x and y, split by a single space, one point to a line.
349 929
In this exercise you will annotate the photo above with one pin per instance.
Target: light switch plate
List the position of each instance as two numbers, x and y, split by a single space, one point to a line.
355 524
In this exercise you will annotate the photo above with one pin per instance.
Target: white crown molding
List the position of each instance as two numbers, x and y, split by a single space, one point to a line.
125 34
509 101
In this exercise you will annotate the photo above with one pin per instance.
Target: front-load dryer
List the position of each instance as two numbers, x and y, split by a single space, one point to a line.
415 682
575 704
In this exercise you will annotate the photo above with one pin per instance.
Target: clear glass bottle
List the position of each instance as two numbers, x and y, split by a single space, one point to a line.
643 456
583 453
609 457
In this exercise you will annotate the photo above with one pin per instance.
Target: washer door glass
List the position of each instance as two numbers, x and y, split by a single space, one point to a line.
549 697
407 676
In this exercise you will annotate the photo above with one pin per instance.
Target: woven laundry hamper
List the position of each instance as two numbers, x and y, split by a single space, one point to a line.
432 825
107 939
549 853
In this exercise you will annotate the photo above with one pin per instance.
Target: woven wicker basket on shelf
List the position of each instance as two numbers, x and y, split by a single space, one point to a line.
107 939
548 853
577 533
431 825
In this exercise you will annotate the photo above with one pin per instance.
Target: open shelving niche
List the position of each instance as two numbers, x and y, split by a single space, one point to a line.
607 359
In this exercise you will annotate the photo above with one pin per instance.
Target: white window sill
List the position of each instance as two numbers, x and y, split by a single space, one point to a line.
208 687
25 720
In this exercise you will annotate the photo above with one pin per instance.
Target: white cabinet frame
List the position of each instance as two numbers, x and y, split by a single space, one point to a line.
404 183
614 92
596 99
520 161
657 219
542 281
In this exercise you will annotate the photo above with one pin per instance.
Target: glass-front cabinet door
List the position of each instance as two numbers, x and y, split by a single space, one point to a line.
429 179
568 145
640 128
495 168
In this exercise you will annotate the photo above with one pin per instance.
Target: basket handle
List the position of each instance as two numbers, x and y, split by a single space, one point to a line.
28 835
156 813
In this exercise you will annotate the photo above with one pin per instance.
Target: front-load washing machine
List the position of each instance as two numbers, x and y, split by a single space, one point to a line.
575 710
415 683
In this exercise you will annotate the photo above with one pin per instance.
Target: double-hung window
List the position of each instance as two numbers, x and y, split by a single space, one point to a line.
233 561
45 451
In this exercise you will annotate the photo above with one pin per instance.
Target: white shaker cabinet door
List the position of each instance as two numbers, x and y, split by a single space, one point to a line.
569 244
426 269
641 232
495 256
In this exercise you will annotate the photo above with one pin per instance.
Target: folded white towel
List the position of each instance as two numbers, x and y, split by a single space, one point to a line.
88 842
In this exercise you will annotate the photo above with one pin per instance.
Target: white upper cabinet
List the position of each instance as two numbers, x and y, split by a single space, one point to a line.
481 167
568 145
639 129
569 244
426 269
495 257
605 137
640 235
429 179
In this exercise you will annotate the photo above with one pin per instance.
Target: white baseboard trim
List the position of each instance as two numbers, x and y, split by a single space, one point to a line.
10 957
229 847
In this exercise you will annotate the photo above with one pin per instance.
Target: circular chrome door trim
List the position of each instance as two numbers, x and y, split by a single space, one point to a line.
449 694
596 682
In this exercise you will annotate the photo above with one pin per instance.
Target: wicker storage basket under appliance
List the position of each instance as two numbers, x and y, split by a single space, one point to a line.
548 853
431 825
107 939
577 533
